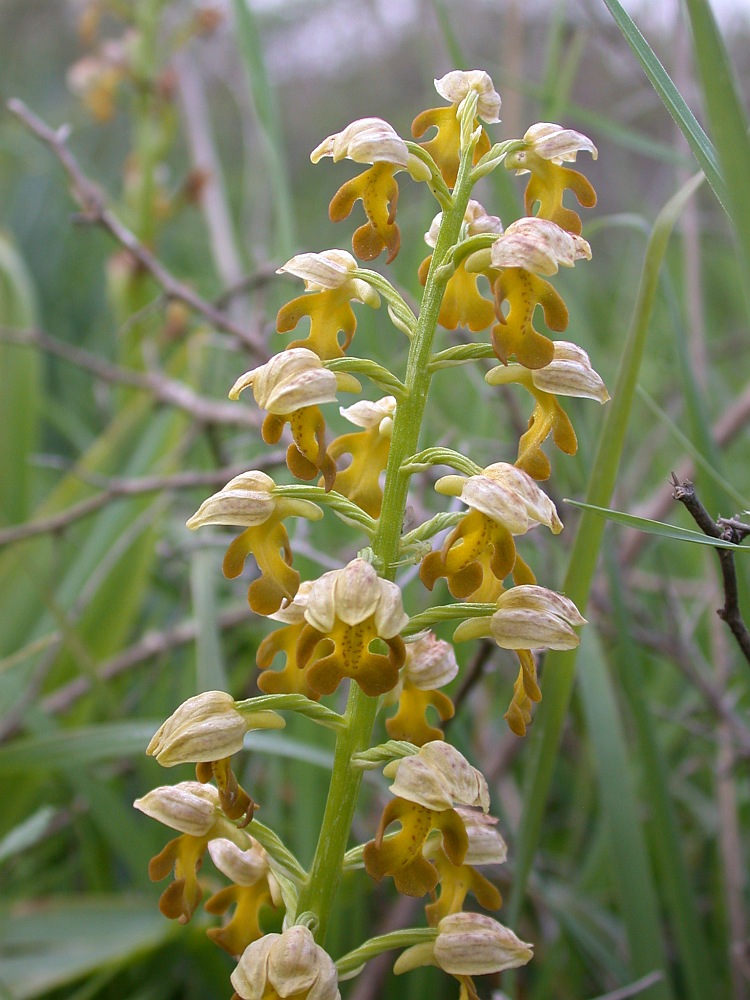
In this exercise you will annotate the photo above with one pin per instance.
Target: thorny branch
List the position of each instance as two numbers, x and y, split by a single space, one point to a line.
728 530
95 211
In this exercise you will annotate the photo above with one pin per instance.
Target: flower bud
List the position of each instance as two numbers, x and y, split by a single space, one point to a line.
189 807
468 944
290 964
367 414
206 727
472 944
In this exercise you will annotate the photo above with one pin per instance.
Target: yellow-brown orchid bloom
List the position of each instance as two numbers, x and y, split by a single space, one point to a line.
330 287
290 387
528 249
249 501
548 146
347 611
463 303
504 502
291 679
371 140
568 374
427 787
254 886
430 664
445 147
369 449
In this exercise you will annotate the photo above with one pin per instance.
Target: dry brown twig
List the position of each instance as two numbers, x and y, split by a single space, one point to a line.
95 211
163 388
728 530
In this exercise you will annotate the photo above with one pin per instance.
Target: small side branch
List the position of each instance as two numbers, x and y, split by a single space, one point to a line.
728 530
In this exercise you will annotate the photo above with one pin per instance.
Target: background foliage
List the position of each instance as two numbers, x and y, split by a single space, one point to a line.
625 811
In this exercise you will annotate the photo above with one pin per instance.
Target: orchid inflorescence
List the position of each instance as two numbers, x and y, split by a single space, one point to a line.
350 623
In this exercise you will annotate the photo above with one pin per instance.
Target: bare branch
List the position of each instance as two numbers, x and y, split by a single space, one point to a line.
730 613
160 386
115 488
95 211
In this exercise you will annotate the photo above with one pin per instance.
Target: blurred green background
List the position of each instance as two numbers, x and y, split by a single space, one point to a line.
197 125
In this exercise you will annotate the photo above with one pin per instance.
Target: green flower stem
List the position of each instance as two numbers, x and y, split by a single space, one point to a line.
318 894
406 938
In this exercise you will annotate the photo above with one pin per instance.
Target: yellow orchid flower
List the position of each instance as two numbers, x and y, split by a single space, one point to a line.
445 146
430 663
463 303
504 502
292 679
290 386
347 610
548 147
254 886
568 374
248 501
330 287
371 140
427 786
527 250
369 449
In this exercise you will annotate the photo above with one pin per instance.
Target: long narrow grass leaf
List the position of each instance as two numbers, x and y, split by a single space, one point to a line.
701 145
560 666
264 98
666 838
729 123
657 527
632 873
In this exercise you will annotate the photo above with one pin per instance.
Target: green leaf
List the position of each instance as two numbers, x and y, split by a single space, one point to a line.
210 672
51 944
250 47
728 121
20 388
560 665
701 145
658 527
631 870
61 751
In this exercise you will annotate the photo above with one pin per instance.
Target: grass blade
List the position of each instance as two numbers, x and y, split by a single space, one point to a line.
251 52
728 120
657 527
666 838
632 873
701 145
20 388
560 666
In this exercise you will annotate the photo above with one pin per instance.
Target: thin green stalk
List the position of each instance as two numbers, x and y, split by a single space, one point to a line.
318 894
